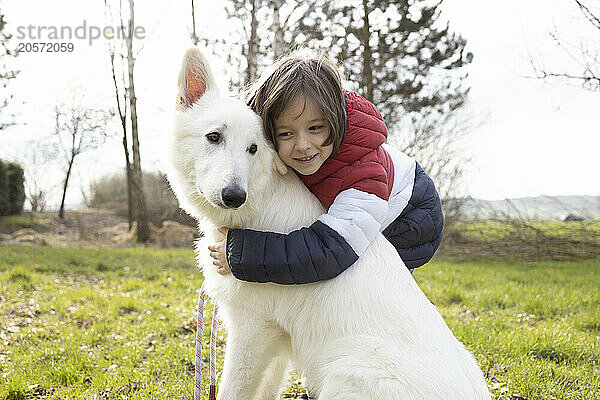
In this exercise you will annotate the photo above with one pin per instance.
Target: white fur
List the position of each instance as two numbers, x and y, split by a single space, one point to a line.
368 334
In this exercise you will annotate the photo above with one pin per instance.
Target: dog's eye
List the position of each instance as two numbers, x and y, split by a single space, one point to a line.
252 149
214 137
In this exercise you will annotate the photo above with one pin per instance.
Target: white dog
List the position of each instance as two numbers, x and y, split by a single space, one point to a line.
368 334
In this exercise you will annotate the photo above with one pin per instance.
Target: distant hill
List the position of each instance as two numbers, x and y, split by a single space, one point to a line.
544 208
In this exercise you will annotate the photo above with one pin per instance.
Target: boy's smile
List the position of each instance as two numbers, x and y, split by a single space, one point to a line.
301 130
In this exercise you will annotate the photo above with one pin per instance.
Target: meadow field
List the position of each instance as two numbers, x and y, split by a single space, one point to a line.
120 323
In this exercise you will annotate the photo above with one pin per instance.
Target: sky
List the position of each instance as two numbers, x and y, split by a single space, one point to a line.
535 137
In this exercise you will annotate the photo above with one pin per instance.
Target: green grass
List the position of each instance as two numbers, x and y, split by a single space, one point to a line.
119 323
534 327
80 323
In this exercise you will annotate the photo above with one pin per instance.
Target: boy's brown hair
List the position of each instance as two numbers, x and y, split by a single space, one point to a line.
294 75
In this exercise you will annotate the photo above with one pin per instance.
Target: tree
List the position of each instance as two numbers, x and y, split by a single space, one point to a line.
133 165
78 130
585 54
242 47
16 188
121 100
143 229
36 155
4 201
6 72
12 192
398 54
250 45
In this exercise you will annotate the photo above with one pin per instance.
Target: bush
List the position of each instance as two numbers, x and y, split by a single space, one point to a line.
12 188
37 200
110 192
16 188
4 204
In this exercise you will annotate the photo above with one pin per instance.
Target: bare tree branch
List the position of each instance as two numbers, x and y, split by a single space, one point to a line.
582 54
78 130
588 14
591 79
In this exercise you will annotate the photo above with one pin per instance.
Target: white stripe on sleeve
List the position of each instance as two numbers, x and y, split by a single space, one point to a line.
357 216
404 181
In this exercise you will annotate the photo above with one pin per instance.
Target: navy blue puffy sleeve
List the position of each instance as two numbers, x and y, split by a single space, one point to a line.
303 256
417 232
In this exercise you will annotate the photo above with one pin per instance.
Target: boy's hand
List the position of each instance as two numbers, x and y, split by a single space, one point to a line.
218 252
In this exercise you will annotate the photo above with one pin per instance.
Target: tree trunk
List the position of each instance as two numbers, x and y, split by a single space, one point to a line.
143 229
367 75
61 211
123 118
252 41
130 204
277 30
195 39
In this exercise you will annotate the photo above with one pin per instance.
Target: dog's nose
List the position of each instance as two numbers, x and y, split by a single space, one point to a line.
233 196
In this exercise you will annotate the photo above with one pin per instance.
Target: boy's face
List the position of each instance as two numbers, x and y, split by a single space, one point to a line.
300 131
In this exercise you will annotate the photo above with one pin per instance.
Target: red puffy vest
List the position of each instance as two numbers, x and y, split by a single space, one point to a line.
361 163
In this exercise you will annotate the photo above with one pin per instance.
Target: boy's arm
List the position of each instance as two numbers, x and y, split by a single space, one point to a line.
322 251
417 230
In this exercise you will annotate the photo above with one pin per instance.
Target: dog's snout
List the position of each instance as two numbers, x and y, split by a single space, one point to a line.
233 196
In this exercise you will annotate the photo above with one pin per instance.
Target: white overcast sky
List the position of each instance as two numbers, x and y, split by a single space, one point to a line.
537 137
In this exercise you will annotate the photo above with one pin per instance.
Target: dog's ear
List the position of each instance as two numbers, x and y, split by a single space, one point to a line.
279 165
195 78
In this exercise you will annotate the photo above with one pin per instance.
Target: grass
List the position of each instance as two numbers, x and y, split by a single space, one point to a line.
119 323
534 327
82 323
